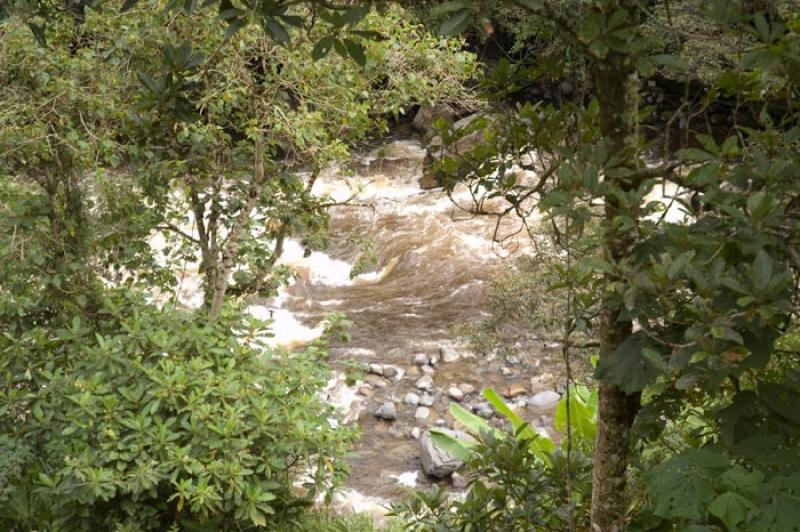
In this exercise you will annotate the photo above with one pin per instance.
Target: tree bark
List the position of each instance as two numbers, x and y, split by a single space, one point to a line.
618 95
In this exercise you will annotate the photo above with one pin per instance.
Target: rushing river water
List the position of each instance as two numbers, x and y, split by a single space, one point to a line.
433 261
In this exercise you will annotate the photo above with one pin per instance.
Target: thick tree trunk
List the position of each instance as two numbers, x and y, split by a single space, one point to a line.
618 95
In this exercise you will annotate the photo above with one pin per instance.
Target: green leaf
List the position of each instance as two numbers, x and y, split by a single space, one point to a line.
455 23
762 270
475 424
356 51
627 367
678 491
694 154
453 446
323 47
670 60
275 29
730 508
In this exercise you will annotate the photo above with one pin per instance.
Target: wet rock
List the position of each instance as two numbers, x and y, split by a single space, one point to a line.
466 388
428 114
449 354
376 369
375 381
459 481
411 399
514 390
387 411
484 410
545 399
420 359
427 369
455 393
422 413
390 372
415 433
436 462
424 383
427 400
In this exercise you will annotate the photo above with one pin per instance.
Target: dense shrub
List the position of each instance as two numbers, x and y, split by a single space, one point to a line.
142 419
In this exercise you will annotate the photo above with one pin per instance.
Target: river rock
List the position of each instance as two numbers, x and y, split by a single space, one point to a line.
411 399
544 399
466 388
506 371
428 114
390 372
375 381
422 413
365 390
455 393
415 433
376 369
436 462
424 383
514 390
387 411
427 400
459 481
484 410
427 369
420 359
449 354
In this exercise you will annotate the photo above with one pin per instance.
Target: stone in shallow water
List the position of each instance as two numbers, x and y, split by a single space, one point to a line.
436 462
387 411
427 400
466 388
411 399
455 393
420 359
449 354
422 412
544 399
514 390
425 382
459 482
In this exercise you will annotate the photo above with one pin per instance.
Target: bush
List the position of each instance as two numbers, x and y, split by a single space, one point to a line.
145 419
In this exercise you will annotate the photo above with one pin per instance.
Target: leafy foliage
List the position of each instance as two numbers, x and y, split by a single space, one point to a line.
144 418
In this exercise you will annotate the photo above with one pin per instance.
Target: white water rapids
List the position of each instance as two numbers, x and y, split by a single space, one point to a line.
433 261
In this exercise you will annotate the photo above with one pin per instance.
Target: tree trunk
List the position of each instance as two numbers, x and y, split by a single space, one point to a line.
618 95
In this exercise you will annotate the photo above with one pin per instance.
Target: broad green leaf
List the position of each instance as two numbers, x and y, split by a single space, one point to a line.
475 424
356 51
455 23
627 367
453 446
323 47
730 508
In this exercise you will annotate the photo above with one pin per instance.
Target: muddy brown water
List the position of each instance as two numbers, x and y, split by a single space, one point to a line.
433 262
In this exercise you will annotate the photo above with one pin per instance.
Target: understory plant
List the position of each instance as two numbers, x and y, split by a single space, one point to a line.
141 418
519 479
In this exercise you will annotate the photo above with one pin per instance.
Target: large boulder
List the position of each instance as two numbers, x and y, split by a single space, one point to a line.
435 150
427 115
436 462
